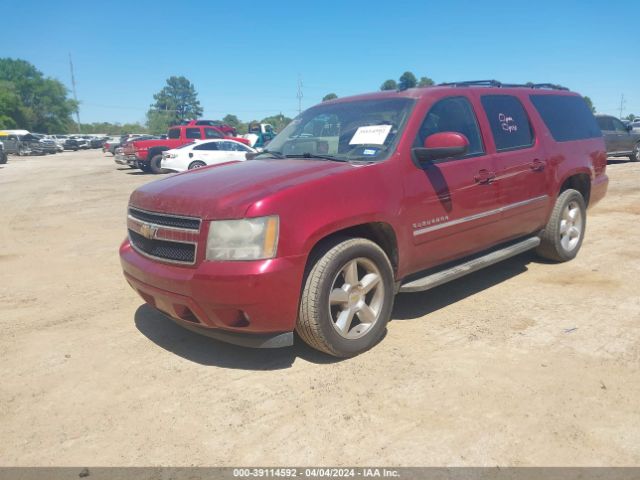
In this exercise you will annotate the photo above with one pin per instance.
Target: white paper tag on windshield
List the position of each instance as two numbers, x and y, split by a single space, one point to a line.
372 134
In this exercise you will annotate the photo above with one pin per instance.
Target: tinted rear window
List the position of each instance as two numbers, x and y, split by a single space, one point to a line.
567 117
174 133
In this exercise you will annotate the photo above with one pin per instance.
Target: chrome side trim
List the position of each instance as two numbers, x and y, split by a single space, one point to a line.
478 216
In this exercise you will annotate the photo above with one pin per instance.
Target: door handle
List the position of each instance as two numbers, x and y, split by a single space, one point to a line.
537 165
484 176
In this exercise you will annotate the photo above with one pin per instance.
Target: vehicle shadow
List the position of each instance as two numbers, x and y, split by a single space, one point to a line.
210 352
409 306
618 160
136 173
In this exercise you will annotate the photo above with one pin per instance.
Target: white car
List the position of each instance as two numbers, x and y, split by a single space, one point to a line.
204 152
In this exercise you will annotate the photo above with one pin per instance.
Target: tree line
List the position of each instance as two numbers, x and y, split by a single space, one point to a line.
31 101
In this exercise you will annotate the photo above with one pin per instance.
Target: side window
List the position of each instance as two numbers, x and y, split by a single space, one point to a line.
508 121
605 123
453 114
618 126
174 133
212 133
193 133
207 146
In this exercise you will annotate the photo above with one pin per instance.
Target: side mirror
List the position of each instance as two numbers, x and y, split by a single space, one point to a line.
442 145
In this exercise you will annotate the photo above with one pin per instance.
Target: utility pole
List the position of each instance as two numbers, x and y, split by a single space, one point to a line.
299 94
75 94
622 102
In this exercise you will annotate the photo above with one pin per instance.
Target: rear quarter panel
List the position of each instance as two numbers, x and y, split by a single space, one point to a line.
565 159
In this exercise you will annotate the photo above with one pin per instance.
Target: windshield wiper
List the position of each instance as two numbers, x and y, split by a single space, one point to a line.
313 155
273 154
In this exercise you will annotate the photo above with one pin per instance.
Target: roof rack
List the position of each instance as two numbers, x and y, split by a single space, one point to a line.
496 83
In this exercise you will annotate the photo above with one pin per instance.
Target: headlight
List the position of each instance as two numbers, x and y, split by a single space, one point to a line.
246 239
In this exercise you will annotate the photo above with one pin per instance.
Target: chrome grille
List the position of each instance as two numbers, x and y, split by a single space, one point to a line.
188 223
162 249
170 238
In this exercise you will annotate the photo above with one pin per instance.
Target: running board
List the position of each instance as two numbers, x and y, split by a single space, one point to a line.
435 279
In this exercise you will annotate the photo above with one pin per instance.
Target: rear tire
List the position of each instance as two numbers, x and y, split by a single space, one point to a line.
562 237
635 156
197 164
347 298
155 163
3 158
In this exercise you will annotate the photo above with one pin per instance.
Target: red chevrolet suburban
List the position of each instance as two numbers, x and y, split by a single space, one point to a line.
360 198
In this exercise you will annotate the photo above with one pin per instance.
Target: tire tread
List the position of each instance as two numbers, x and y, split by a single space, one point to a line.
548 247
307 326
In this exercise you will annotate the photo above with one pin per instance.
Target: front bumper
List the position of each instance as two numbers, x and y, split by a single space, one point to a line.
251 303
123 159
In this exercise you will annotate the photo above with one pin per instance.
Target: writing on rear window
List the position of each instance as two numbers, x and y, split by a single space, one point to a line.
507 123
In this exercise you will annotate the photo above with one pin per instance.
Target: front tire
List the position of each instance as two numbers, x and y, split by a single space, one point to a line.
347 298
155 163
562 237
635 156
197 164
3 158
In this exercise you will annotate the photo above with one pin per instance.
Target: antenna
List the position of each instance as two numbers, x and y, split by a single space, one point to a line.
75 94
299 94
622 102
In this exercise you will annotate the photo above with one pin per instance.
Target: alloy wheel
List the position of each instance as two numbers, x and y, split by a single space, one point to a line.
356 298
571 226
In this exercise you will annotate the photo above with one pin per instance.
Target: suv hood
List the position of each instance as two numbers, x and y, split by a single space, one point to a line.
227 191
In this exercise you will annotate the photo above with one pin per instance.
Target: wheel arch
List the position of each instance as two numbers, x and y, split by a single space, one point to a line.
153 151
380 233
579 181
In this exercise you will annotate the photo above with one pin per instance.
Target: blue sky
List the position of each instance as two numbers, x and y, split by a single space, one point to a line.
245 58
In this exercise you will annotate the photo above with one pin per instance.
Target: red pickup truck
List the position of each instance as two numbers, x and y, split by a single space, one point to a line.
147 154
360 198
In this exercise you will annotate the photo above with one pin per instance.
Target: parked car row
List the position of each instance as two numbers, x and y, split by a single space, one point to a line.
147 154
23 142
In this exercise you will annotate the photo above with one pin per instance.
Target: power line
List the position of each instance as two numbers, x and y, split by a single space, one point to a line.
75 95
299 94
622 102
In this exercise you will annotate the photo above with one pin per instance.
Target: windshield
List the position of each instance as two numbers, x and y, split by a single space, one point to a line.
359 130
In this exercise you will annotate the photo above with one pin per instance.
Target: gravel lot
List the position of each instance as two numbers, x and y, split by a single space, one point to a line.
524 363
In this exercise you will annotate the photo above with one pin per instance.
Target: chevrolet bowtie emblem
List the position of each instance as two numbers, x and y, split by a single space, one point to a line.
148 231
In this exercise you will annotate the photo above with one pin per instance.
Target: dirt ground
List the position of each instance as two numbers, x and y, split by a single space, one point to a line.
525 363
